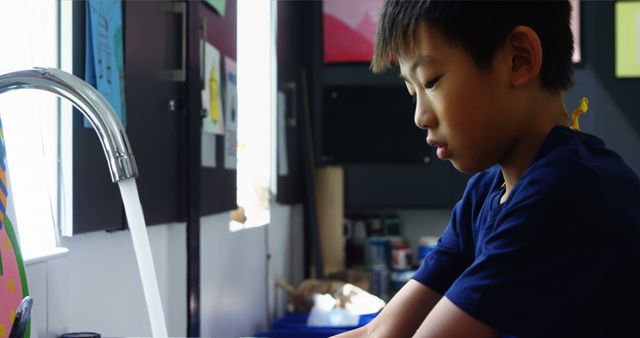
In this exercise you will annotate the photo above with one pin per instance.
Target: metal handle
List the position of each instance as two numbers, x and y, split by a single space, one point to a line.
291 89
203 41
179 75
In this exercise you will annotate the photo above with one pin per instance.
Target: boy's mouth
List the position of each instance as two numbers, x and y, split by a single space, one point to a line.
442 148
443 152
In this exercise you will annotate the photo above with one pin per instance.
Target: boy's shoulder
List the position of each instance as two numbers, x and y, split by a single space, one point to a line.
569 163
575 170
578 161
571 168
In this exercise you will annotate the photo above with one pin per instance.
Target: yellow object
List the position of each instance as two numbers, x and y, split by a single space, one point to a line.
213 96
12 286
582 108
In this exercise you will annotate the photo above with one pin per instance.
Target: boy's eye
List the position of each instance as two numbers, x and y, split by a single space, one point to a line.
431 83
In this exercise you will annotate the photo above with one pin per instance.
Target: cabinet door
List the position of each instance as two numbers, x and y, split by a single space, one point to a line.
155 79
371 124
398 186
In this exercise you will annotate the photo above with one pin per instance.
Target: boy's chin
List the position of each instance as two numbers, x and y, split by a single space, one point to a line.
467 167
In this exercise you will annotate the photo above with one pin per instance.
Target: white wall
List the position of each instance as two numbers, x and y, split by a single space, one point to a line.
97 286
236 279
422 222
286 247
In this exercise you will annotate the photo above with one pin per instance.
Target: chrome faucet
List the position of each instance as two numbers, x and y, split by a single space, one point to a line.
121 162
93 106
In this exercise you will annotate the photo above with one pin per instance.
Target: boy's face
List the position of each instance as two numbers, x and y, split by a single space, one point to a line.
463 108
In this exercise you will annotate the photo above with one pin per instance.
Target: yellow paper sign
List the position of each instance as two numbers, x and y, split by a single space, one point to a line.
213 87
628 39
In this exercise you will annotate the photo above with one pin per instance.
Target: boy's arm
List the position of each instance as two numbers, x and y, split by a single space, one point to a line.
402 316
448 320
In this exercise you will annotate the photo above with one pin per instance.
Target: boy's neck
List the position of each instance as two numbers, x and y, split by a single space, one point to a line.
549 112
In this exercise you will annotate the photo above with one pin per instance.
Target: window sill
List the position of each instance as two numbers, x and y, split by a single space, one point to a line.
45 256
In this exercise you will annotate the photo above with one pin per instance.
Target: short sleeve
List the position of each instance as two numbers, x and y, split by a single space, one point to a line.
543 258
454 251
447 260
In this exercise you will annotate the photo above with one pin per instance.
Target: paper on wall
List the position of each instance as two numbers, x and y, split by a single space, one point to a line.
219 5
208 151
231 114
104 57
213 120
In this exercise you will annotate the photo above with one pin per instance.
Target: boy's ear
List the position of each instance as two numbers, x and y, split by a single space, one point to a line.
525 51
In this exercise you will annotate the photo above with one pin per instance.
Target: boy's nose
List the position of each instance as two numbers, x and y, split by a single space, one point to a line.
424 118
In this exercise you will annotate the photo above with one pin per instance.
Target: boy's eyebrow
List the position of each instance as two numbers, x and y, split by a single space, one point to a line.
420 60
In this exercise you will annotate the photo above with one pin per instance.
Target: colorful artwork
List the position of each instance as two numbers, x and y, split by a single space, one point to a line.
213 121
13 280
104 64
349 29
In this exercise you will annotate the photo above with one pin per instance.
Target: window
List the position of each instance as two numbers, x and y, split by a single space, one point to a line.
29 38
256 107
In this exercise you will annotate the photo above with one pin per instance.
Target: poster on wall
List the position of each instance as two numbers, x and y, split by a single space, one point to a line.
12 272
219 5
208 150
627 38
349 29
231 114
104 63
213 119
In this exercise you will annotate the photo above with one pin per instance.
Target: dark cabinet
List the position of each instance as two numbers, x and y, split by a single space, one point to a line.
154 41
155 75
371 124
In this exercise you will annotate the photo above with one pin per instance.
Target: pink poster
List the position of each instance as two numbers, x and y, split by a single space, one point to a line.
349 29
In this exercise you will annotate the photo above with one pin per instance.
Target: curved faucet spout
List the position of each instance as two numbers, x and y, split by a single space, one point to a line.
93 106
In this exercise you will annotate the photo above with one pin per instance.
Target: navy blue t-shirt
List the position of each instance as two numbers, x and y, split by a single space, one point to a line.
559 258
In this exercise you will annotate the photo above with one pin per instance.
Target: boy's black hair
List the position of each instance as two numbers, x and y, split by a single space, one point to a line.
479 27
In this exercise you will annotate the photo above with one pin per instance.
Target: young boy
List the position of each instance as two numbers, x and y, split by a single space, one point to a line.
545 240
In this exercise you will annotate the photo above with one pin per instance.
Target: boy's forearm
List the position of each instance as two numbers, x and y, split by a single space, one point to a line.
357 333
402 316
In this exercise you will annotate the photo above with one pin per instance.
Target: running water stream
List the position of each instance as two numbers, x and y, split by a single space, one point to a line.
137 226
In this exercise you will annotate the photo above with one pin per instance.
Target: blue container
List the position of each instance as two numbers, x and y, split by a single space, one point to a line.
295 325
426 245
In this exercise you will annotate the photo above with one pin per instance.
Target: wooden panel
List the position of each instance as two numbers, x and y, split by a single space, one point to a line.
329 183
